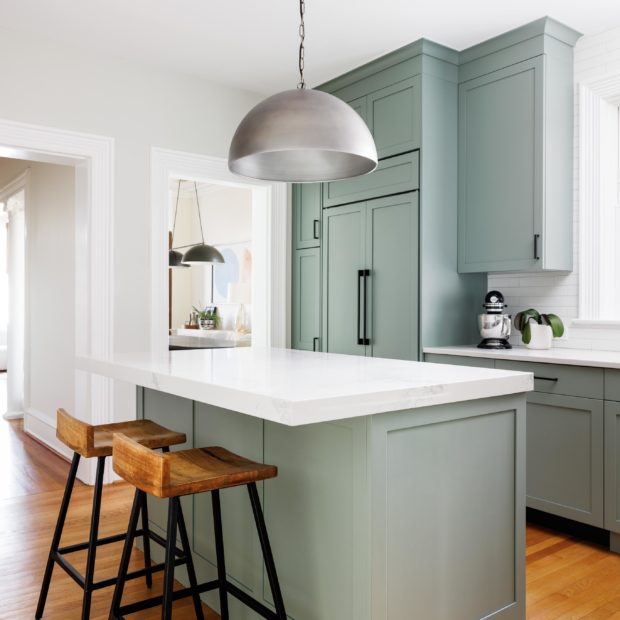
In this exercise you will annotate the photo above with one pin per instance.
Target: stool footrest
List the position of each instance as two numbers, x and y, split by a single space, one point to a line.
141 572
69 569
252 603
101 541
157 600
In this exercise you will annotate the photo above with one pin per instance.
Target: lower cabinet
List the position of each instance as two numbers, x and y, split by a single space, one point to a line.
306 299
612 466
565 456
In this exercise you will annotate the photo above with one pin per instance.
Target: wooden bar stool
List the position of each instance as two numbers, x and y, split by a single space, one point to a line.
187 472
96 441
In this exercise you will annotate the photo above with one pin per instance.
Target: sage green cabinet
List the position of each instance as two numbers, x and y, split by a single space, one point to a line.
395 175
344 254
370 279
391 112
515 153
306 299
306 215
393 115
565 456
612 466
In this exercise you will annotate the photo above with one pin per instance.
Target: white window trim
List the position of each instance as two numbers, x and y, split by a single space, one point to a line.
590 221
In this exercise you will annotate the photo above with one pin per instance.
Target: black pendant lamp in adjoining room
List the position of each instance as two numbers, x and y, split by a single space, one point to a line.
302 135
200 253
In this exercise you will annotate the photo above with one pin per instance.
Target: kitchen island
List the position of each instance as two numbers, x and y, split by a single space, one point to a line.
400 492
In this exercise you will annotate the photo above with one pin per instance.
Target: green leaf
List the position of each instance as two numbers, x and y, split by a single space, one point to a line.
523 318
526 333
555 322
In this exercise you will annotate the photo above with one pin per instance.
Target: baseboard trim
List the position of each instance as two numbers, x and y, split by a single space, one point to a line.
42 430
13 415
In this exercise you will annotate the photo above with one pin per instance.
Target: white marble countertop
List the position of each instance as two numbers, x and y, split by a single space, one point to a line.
300 387
572 357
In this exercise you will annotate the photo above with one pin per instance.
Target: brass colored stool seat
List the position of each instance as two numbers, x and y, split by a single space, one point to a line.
89 441
174 474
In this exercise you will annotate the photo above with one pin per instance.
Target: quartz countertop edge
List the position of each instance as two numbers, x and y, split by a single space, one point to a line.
300 387
556 355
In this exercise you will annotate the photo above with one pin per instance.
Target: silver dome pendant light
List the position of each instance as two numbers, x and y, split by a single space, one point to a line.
302 135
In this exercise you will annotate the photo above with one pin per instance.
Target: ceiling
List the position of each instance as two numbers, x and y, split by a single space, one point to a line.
252 44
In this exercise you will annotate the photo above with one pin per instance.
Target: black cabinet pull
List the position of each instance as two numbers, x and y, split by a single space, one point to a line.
536 238
316 231
315 344
545 378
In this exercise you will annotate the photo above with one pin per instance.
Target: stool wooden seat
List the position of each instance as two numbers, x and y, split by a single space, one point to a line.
175 474
88 441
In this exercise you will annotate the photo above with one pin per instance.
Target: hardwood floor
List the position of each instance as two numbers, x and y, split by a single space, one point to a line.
31 487
567 579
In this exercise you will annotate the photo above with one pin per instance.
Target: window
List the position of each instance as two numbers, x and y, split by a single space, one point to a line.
599 201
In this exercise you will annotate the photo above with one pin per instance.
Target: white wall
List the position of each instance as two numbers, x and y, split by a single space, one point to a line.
139 107
227 219
49 280
596 56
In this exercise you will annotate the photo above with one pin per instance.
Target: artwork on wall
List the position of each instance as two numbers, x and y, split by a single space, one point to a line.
236 268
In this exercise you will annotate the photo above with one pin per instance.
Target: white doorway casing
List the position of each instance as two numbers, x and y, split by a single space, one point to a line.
93 158
14 195
270 241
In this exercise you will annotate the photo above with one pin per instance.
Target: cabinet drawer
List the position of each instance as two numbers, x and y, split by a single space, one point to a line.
459 360
393 176
560 379
612 384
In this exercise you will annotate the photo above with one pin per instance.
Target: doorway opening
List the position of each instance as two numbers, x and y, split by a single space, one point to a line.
210 303
13 295
269 289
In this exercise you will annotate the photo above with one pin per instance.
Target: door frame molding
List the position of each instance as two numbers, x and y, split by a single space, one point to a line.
93 158
270 244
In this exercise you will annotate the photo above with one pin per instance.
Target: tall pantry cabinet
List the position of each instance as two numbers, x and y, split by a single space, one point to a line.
375 257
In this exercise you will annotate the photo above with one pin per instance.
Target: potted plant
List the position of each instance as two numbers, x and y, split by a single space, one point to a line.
208 318
538 330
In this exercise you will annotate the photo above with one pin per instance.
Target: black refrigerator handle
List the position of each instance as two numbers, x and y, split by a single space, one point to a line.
362 338
360 277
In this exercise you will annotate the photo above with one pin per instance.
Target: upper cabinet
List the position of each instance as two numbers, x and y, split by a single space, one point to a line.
306 215
515 178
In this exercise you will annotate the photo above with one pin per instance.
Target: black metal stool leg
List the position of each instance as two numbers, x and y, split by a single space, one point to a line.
267 554
191 571
89 577
146 541
138 498
219 552
60 524
171 541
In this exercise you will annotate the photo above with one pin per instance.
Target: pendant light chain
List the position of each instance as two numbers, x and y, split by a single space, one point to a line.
302 36
199 216
176 208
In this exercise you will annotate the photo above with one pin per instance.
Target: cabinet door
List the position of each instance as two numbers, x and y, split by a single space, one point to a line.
359 105
500 169
344 231
394 117
306 299
392 258
306 215
565 456
612 466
